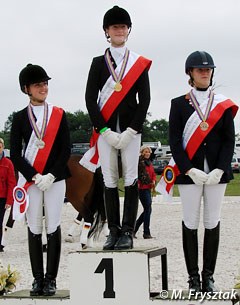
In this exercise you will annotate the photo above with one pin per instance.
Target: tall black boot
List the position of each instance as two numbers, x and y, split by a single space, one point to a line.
210 251
36 259
129 217
53 258
112 206
190 249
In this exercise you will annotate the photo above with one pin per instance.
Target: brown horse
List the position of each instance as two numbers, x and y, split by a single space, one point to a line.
85 192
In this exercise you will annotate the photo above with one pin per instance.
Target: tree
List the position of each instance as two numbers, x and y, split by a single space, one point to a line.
159 130
156 130
8 123
5 134
80 127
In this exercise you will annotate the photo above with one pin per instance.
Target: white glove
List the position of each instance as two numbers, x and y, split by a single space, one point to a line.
111 137
37 178
126 137
215 176
198 177
46 182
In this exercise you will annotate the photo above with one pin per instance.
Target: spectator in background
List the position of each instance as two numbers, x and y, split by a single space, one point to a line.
8 227
7 184
146 182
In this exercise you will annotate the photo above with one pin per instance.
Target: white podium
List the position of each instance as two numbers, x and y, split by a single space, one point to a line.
114 277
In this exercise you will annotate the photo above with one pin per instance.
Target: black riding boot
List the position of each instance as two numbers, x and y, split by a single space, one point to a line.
36 259
129 217
210 251
112 206
190 249
53 258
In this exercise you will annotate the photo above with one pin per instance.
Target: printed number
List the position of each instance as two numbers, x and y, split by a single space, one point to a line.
107 265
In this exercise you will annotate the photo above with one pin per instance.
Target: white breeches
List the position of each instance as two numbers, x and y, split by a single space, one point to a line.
191 197
52 200
108 157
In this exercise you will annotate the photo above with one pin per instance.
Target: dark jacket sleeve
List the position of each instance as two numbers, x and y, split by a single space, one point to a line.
94 85
143 89
217 147
16 146
223 141
176 127
58 157
57 162
132 110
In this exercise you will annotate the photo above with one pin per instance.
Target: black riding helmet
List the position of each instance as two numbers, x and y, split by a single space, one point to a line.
116 15
32 74
199 59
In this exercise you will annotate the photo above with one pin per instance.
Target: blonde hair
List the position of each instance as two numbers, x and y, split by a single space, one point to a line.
2 141
143 147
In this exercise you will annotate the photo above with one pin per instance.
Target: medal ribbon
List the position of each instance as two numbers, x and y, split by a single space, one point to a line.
39 134
195 103
111 100
38 162
117 78
193 141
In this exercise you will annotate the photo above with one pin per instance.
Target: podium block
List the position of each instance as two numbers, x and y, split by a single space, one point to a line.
114 277
22 297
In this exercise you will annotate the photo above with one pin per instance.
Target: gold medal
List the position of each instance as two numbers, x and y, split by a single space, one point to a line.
204 126
40 144
118 87
116 75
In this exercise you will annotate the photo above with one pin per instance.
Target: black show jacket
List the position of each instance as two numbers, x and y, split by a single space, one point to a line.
57 161
129 112
217 147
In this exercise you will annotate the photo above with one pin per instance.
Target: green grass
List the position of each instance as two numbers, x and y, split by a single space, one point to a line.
233 188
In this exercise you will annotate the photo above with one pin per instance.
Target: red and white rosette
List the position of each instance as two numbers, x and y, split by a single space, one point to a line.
21 199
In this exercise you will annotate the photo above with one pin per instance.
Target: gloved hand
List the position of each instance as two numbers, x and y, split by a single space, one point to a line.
125 138
37 178
214 176
46 182
111 137
198 176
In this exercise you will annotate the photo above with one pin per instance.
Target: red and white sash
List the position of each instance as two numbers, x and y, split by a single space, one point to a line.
193 136
110 99
37 158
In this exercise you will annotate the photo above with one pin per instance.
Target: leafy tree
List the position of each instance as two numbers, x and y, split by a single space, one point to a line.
8 123
156 130
80 127
159 129
5 134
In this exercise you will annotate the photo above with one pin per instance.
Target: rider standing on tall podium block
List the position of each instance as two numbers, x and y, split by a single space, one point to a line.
202 136
40 149
115 80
